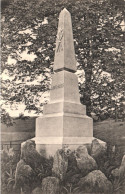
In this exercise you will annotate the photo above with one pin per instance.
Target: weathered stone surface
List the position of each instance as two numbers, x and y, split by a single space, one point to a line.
115 173
23 177
99 153
85 162
81 151
30 155
97 149
37 190
50 185
60 164
28 167
95 182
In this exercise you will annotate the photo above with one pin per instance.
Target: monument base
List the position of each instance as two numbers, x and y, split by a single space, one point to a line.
47 146
62 125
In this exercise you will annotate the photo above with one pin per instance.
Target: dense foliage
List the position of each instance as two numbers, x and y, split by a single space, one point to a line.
29 28
9 161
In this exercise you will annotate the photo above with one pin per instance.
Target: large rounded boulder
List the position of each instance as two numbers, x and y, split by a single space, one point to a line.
23 177
28 168
30 155
37 190
50 185
85 162
94 182
97 150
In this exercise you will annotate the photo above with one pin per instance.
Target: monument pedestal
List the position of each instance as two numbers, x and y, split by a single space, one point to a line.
47 146
64 125
57 130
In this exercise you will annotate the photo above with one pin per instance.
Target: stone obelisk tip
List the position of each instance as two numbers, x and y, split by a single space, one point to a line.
64 53
65 10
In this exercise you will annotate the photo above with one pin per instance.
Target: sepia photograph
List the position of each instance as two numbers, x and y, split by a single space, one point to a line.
62 97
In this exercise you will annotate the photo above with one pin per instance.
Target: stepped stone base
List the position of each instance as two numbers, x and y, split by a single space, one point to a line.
64 125
47 146
63 130
66 107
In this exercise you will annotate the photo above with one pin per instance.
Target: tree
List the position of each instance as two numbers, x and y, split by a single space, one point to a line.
101 49
30 27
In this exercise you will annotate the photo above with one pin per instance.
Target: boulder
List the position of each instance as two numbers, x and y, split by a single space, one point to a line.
81 151
85 162
50 185
60 164
95 182
28 168
115 173
30 155
23 177
97 149
37 190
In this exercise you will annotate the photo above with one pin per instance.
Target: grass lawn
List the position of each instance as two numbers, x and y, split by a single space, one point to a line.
111 132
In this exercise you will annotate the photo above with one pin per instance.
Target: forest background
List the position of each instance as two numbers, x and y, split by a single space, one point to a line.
28 37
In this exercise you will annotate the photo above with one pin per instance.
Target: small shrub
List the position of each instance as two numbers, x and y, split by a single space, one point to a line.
8 167
119 184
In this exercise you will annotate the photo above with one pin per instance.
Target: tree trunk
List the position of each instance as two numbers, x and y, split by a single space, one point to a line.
87 91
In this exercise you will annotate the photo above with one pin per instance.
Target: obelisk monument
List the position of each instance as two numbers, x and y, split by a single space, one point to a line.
64 120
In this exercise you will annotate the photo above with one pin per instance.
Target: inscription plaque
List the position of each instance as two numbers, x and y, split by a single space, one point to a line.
57 86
